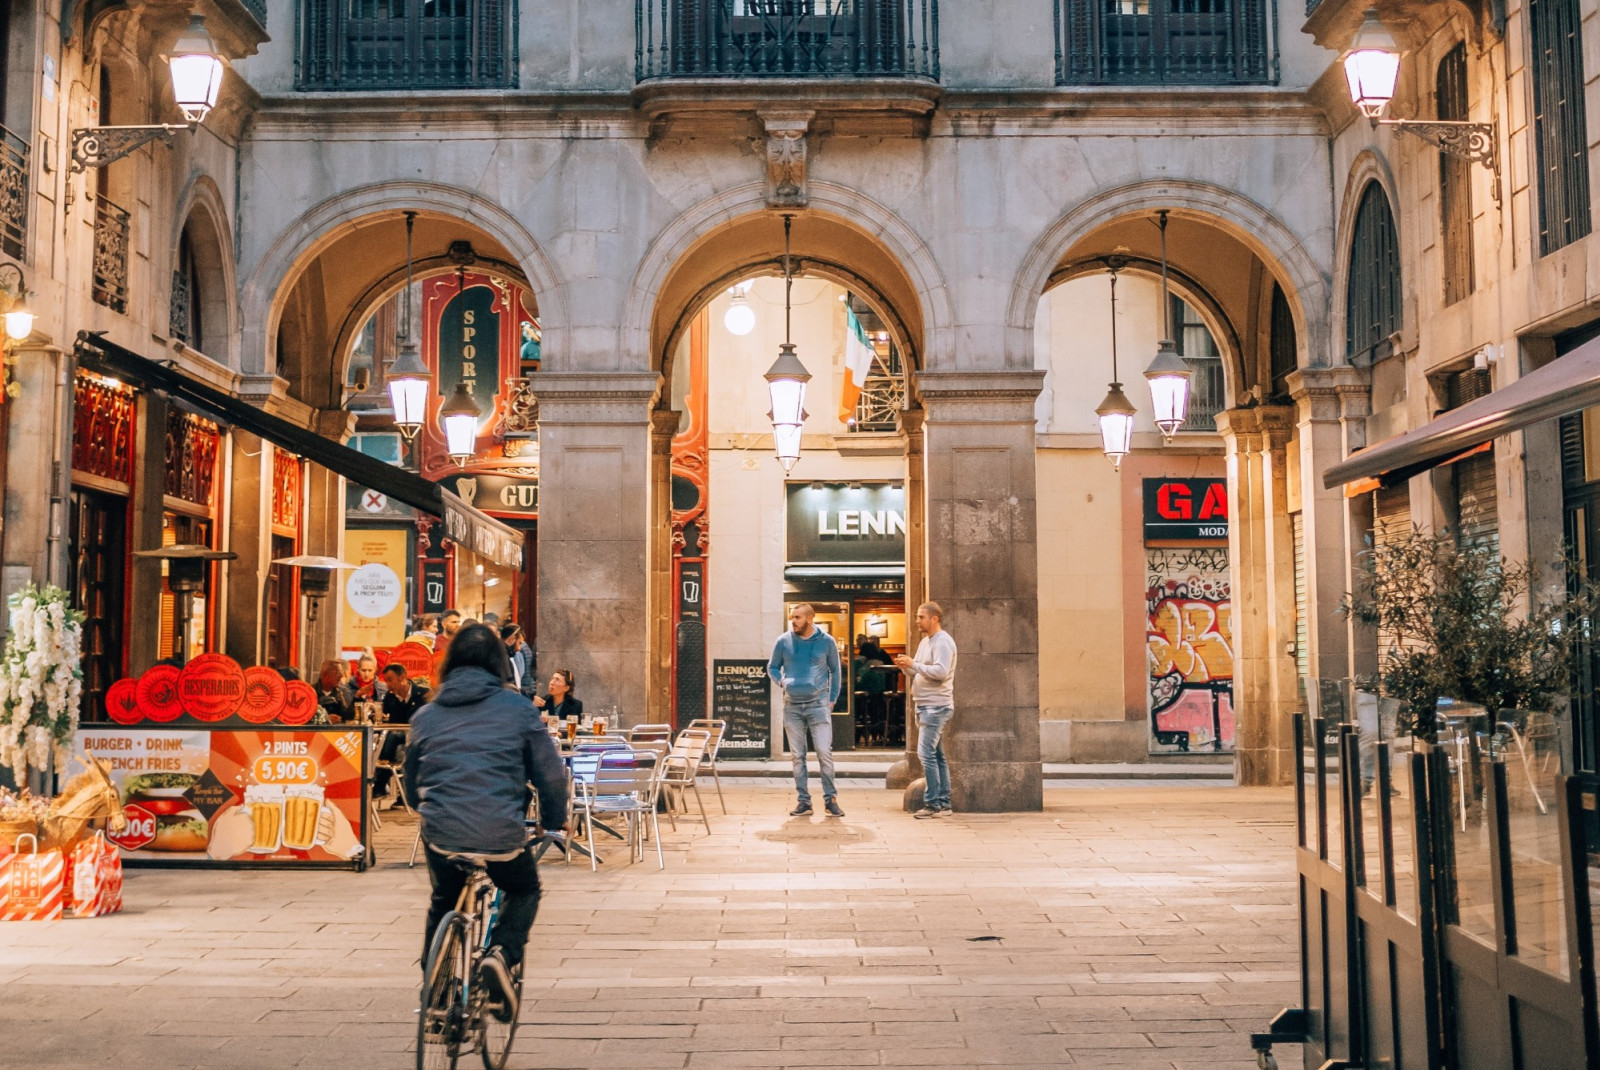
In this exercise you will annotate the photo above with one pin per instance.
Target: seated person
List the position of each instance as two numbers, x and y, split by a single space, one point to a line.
367 686
402 698
560 703
335 698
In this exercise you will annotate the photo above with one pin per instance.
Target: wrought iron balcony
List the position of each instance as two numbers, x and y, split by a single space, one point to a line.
1206 396
13 194
1164 42
406 44
787 39
180 315
110 255
878 408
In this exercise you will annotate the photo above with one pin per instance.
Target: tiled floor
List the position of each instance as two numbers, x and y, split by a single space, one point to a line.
1147 927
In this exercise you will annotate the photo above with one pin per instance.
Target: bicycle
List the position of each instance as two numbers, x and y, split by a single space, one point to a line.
455 1018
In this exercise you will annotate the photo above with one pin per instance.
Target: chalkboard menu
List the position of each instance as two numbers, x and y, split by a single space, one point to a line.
741 695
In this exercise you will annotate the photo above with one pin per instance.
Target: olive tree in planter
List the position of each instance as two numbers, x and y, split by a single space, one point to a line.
1459 622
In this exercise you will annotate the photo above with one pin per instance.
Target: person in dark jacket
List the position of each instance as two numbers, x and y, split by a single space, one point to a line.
561 703
473 752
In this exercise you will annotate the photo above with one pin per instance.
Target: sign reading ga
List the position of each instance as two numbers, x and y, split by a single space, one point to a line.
1191 511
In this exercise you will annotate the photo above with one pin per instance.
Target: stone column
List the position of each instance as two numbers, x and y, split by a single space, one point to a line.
594 535
1261 563
1355 405
35 523
147 511
249 534
909 768
324 534
663 425
982 567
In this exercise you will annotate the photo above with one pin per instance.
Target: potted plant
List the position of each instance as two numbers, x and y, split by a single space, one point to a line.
41 681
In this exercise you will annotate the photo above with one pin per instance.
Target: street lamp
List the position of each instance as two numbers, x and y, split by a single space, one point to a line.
460 416
407 380
787 378
195 66
1168 374
1372 70
1116 412
19 317
740 319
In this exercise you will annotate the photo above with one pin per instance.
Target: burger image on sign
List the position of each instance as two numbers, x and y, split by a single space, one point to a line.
157 805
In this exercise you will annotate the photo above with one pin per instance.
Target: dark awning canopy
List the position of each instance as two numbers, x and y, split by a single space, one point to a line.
471 528
1565 385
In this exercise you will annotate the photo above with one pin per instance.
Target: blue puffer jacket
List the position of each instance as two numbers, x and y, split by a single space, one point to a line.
473 752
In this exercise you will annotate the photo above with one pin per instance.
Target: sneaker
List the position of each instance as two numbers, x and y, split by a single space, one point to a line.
495 976
943 811
925 813
832 806
801 810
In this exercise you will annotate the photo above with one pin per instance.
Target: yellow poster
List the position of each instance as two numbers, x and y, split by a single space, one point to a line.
372 604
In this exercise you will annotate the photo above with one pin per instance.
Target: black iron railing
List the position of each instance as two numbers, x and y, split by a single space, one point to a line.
406 44
13 193
110 255
180 316
1206 394
1160 42
787 39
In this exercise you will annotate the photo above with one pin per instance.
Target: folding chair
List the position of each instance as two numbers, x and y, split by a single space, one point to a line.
716 729
650 733
626 784
681 767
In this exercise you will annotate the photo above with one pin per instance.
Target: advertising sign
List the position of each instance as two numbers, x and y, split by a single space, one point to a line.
469 347
847 524
372 611
435 579
204 795
495 493
741 695
1191 512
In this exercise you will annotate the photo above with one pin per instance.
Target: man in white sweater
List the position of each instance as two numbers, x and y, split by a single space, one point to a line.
930 679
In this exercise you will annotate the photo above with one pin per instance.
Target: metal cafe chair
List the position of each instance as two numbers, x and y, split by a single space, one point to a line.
626 785
680 770
650 733
716 729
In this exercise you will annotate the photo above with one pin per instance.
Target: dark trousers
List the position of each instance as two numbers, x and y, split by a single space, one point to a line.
518 879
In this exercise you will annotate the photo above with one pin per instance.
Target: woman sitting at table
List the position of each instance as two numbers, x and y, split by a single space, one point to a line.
560 703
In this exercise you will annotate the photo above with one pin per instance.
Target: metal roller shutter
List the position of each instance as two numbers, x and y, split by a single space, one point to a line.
1302 630
1477 511
1391 523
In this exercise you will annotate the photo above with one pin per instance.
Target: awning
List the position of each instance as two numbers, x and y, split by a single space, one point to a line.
845 572
471 528
1567 384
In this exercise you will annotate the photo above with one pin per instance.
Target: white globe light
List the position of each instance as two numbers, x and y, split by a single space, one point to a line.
196 71
19 323
1372 67
740 318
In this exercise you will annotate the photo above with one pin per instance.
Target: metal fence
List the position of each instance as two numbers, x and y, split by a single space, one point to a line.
13 193
787 39
110 255
406 44
1156 42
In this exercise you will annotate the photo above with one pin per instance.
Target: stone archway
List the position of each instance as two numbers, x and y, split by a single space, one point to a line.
203 215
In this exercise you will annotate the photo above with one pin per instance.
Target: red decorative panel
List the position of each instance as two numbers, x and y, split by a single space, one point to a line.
192 443
102 429
286 476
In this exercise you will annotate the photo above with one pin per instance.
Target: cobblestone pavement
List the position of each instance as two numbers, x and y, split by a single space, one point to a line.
1148 927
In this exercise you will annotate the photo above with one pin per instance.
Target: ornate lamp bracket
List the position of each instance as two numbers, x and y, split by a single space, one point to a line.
97 146
1473 142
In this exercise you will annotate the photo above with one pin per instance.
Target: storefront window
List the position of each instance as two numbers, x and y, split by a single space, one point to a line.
485 591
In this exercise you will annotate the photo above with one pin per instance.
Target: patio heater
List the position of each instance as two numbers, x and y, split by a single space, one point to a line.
185 567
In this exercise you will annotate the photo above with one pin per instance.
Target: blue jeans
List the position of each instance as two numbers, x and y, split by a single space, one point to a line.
818 717
930 748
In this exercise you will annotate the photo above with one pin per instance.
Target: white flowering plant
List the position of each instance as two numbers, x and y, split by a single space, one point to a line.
41 680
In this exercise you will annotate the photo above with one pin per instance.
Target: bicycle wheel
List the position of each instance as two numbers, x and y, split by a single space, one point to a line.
442 1016
497 1036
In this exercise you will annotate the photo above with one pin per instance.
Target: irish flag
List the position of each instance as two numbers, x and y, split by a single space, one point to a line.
858 355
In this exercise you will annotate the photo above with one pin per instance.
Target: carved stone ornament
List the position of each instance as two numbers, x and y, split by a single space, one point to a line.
786 158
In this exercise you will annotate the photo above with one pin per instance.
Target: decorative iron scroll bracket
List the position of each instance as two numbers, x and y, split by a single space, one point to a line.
1473 142
97 146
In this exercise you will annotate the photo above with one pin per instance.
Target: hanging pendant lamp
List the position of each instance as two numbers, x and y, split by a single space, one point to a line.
1169 374
787 378
1116 412
408 379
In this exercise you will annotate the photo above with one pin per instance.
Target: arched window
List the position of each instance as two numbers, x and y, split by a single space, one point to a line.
185 308
1372 295
1455 179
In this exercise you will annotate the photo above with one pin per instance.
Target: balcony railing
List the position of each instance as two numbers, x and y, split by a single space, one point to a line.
258 9
110 255
1206 396
1164 42
13 194
406 44
787 39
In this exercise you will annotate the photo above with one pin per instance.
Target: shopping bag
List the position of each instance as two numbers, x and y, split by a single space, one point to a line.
32 883
95 883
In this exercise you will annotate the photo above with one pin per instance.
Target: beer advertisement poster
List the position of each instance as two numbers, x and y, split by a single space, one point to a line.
235 797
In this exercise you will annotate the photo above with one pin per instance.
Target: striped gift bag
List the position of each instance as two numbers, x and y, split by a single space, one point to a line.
32 884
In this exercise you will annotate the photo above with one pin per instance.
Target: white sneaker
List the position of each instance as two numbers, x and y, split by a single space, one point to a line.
925 813
943 811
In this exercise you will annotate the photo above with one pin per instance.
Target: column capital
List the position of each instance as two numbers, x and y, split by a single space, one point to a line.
595 397
1000 396
1320 392
1250 430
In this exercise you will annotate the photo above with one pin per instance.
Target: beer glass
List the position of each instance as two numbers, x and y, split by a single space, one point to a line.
265 803
301 809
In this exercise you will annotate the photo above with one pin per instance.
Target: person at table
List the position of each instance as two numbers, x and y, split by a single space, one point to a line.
560 703
521 674
402 698
335 699
424 630
366 685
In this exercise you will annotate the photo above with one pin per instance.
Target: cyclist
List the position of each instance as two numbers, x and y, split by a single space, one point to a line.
473 753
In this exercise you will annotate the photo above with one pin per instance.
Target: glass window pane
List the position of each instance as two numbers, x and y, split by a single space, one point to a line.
1472 908
1529 747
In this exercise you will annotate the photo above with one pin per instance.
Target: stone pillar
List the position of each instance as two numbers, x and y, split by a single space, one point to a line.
35 524
594 535
663 425
248 533
1355 405
1261 563
909 768
982 567
143 643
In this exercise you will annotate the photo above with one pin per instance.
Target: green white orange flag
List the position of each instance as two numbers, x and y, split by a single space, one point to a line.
858 354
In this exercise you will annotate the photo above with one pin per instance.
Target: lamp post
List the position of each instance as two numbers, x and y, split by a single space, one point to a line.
1168 374
787 379
1116 412
195 67
407 379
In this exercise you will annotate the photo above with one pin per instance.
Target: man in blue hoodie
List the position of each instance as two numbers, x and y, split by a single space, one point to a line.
805 664
473 752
